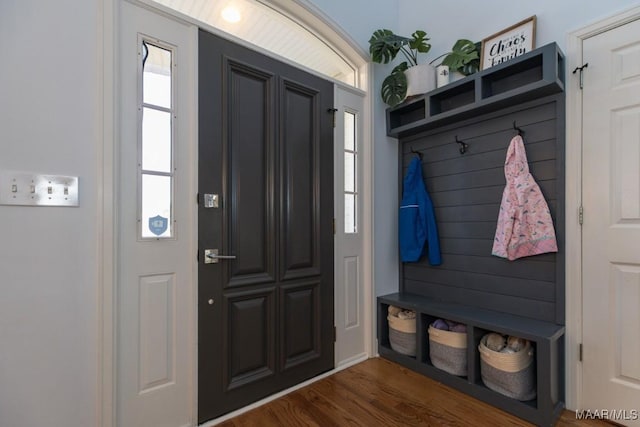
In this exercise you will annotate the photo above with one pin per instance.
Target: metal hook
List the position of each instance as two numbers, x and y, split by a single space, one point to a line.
517 129
463 145
416 152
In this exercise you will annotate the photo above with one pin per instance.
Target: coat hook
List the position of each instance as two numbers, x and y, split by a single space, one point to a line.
517 129
416 152
463 145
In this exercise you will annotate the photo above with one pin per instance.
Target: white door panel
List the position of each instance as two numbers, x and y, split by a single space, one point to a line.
155 339
349 250
611 230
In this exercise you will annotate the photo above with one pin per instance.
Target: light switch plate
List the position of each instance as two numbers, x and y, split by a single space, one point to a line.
30 189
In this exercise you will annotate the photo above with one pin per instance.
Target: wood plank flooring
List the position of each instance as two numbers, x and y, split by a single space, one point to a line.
378 392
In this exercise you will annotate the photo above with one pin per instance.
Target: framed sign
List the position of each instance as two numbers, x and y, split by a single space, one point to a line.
509 43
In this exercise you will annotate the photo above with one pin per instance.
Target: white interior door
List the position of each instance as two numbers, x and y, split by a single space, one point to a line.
349 251
156 258
611 230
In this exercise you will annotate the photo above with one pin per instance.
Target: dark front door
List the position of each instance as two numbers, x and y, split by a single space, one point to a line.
266 143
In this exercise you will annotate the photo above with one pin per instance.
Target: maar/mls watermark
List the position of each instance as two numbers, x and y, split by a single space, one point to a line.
608 414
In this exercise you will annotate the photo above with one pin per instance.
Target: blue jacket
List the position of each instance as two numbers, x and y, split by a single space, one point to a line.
417 220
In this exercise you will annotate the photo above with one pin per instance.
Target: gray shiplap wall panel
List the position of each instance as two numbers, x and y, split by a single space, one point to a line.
525 268
470 230
491 194
479 212
534 289
466 213
469 162
526 307
438 148
466 191
477 247
493 175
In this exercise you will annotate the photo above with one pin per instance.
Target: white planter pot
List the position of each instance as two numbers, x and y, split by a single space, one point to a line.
420 79
456 75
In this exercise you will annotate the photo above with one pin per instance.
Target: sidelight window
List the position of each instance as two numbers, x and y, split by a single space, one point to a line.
350 174
155 145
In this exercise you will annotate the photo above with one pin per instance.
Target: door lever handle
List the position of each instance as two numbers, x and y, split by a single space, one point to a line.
211 256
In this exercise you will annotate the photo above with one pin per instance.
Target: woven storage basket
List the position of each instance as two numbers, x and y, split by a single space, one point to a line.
511 374
402 335
448 351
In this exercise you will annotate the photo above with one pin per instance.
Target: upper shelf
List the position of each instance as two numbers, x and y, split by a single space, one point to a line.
535 74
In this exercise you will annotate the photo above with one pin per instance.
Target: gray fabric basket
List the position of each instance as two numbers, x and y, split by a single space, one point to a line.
449 359
403 342
512 375
517 385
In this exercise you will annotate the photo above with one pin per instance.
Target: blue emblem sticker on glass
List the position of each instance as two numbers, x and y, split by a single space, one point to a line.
158 225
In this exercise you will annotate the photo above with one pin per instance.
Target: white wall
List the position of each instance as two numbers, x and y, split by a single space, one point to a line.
48 124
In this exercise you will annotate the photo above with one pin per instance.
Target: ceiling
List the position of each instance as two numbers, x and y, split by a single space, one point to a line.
266 27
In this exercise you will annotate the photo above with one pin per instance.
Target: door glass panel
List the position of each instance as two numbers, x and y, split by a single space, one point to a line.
155 144
350 213
156 76
350 173
156 140
349 131
156 206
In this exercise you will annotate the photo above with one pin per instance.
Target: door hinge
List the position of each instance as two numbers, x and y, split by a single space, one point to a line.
198 255
580 352
335 334
198 198
581 215
581 69
334 226
333 111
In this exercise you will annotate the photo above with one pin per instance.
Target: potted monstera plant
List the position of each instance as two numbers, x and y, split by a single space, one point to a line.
408 78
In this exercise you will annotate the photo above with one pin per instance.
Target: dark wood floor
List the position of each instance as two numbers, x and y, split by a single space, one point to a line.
378 392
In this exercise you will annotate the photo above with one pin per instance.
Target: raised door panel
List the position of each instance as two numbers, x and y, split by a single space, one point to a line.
625 290
157 331
250 342
250 218
300 323
300 245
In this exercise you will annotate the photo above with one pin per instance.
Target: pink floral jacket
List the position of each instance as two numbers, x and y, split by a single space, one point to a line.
525 226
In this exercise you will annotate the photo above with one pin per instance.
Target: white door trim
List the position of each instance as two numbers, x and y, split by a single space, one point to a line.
368 242
107 172
573 337
107 226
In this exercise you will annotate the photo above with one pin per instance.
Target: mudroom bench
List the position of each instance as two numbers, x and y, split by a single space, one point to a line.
547 339
461 133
